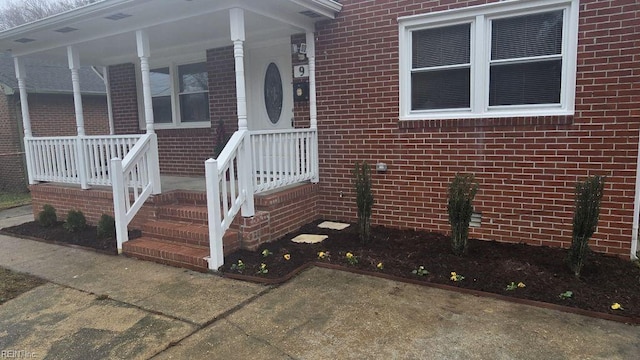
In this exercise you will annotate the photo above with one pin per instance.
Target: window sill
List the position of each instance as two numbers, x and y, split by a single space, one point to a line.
194 125
489 121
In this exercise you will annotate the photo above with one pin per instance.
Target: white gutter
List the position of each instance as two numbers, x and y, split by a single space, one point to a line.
105 77
636 209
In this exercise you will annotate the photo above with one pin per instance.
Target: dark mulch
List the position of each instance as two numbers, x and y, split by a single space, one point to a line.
488 266
57 234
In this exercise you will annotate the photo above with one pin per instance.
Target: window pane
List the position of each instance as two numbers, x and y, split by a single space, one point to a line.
194 107
527 83
160 82
193 77
441 46
447 89
161 95
527 36
162 109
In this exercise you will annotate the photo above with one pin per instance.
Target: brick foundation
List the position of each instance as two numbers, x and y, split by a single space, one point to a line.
277 213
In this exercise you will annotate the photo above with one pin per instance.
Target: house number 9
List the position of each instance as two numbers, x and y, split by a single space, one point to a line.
300 71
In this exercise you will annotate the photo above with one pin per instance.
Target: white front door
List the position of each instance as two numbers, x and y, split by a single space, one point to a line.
269 82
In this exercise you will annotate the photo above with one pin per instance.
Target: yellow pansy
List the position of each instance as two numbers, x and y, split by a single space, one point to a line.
616 306
521 285
380 266
287 256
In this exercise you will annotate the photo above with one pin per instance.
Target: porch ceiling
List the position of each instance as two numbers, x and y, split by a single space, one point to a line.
104 32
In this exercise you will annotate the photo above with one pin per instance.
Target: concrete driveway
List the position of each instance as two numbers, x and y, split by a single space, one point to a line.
155 311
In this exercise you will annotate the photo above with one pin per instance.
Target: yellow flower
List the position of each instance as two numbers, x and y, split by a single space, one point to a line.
322 255
616 306
349 255
521 285
380 266
239 261
287 256
263 266
453 276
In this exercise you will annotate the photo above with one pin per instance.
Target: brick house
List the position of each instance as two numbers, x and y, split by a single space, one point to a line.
52 112
530 96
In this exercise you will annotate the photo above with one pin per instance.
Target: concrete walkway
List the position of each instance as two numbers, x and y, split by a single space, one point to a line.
155 311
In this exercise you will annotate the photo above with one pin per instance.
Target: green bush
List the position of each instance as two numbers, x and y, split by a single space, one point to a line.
75 221
364 199
106 227
462 190
585 220
47 217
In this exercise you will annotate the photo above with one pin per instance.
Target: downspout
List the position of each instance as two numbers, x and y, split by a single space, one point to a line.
636 209
105 77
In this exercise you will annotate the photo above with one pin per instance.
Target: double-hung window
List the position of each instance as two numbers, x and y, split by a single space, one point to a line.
498 60
180 95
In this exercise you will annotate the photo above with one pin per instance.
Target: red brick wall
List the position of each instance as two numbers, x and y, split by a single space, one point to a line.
526 170
124 98
54 115
13 176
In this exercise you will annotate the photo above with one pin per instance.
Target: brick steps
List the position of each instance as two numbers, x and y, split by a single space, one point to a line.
168 253
180 212
179 234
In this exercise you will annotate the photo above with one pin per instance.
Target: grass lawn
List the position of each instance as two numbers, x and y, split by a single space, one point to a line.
13 284
9 200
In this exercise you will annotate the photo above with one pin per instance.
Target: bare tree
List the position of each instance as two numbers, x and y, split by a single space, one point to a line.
18 12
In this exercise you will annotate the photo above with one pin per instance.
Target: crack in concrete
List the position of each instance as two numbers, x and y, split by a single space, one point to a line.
222 316
260 339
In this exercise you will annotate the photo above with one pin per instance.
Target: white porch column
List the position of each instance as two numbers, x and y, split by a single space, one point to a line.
26 120
313 110
311 55
74 66
142 41
236 18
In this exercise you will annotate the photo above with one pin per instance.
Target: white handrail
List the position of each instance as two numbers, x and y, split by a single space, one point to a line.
229 190
134 180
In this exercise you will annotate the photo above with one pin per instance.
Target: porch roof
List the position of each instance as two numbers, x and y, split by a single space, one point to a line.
104 32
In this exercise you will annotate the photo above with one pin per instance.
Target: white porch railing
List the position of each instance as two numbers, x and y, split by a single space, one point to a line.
229 188
99 150
59 159
283 157
134 179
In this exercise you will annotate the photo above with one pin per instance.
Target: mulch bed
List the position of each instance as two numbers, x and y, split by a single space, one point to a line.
488 266
87 238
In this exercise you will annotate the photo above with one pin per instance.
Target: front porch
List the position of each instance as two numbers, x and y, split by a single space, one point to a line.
239 67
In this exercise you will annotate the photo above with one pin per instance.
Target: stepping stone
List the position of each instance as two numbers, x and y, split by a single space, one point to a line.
333 225
308 238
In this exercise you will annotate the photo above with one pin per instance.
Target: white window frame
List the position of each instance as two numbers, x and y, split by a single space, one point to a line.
480 18
175 95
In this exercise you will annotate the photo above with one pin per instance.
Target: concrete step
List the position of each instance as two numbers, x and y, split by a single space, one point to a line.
169 253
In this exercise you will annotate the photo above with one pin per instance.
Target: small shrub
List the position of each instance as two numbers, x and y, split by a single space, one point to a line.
462 190
75 221
364 199
585 220
106 227
47 217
